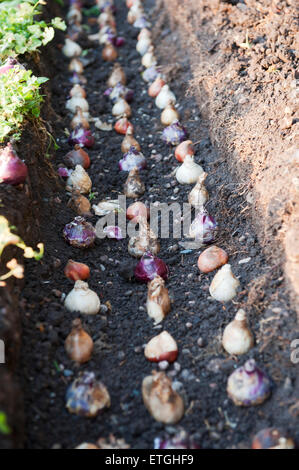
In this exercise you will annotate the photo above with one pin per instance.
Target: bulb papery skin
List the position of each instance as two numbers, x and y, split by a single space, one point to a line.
123 125
79 181
151 74
138 209
121 92
189 171
143 45
179 441
224 285
134 187
113 232
86 446
129 142
150 267
109 53
64 172
78 79
106 206
132 159
141 23
145 241
203 228
144 33
183 149
117 76
74 15
71 48
82 299
76 271
80 119
169 115
79 233
156 87
12 170
79 204
78 91
161 348
199 195
149 59
165 98
211 259
76 66
82 137
248 385
77 156
77 102
86 396
121 108
272 438
163 403
112 443
158 302
78 344
174 134
237 338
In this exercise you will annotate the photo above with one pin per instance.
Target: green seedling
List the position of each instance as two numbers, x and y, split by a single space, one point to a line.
21 32
7 237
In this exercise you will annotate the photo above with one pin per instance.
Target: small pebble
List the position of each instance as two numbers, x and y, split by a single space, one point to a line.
189 325
68 373
244 260
186 351
104 309
177 366
163 365
200 342
121 355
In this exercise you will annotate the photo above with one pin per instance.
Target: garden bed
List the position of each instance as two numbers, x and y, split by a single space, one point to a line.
123 327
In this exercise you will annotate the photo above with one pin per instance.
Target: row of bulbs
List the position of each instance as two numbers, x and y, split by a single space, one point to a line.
247 385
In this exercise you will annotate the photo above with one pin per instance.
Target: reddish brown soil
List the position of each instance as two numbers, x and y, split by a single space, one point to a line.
247 92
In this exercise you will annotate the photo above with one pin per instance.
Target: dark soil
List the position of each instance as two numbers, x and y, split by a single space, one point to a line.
120 333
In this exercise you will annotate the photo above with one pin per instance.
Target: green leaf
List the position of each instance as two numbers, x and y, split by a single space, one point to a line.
58 23
4 428
48 35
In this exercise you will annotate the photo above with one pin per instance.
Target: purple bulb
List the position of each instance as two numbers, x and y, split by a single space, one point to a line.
174 134
79 233
149 267
132 159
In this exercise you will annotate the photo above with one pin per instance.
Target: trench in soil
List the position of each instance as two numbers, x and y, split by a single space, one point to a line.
120 334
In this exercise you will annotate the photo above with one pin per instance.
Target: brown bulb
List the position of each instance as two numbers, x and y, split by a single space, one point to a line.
80 204
78 344
109 53
77 156
129 142
211 259
76 271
